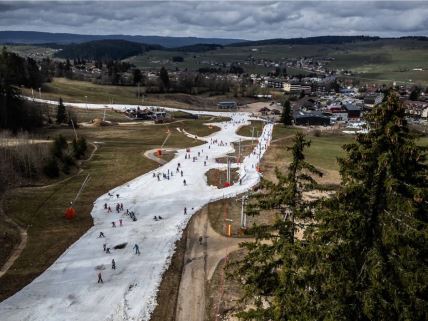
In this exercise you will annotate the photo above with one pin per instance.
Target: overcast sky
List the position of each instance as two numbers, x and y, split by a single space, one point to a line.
225 19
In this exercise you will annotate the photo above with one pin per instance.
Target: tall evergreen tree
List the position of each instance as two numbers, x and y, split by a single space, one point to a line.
267 272
372 236
286 117
363 255
164 78
61 115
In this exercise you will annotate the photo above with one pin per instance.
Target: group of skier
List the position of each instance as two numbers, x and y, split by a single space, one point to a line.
168 175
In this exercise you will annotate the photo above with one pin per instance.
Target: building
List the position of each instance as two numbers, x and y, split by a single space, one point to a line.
275 83
264 111
296 88
353 111
415 108
227 104
372 100
313 118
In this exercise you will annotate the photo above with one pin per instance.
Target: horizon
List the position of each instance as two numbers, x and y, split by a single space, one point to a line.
231 38
247 20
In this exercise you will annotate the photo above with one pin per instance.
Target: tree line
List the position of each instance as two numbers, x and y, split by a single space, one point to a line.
359 254
15 113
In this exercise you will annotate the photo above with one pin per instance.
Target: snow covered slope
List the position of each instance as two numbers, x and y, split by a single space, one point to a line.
68 290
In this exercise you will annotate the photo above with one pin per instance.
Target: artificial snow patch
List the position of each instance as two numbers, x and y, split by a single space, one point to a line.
129 291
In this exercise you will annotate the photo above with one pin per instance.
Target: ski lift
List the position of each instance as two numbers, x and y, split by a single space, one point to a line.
70 212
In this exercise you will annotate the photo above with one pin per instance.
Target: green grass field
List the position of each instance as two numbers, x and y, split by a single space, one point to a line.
77 91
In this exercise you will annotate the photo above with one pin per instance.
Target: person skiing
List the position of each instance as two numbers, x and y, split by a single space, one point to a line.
105 206
185 211
113 224
104 246
108 250
120 222
101 234
181 173
113 265
100 278
137 249
184 182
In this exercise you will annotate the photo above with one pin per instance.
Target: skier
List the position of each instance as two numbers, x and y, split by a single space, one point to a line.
101 234
105 206
108 250
104 246
181 173
113 265
184 182
137 249
205 163
120 222
117 195
100 279
185 211
113 224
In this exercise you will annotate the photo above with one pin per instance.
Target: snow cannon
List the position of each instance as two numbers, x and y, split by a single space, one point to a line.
70 213
226 184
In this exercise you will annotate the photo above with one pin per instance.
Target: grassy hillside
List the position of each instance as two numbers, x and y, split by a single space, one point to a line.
75 91
383 60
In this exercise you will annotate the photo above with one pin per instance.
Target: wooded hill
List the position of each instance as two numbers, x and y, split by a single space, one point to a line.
105 50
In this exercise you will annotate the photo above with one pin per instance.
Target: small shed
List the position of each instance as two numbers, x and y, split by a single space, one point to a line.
264 110
227 104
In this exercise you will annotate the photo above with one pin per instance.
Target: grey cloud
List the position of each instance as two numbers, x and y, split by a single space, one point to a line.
233 19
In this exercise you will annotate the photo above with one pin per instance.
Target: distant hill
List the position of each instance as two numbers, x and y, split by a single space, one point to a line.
198 48
305 41
105 50
34 37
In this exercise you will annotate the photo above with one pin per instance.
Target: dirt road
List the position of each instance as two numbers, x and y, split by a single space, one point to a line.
200 263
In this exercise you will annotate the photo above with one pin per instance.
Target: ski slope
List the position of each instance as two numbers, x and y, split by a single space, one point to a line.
68 290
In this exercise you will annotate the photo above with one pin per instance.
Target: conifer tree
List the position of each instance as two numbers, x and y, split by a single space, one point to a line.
164 78
371 239
286 117
61 116
267 270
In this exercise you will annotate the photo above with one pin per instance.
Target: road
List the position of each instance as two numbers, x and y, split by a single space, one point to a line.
201 261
